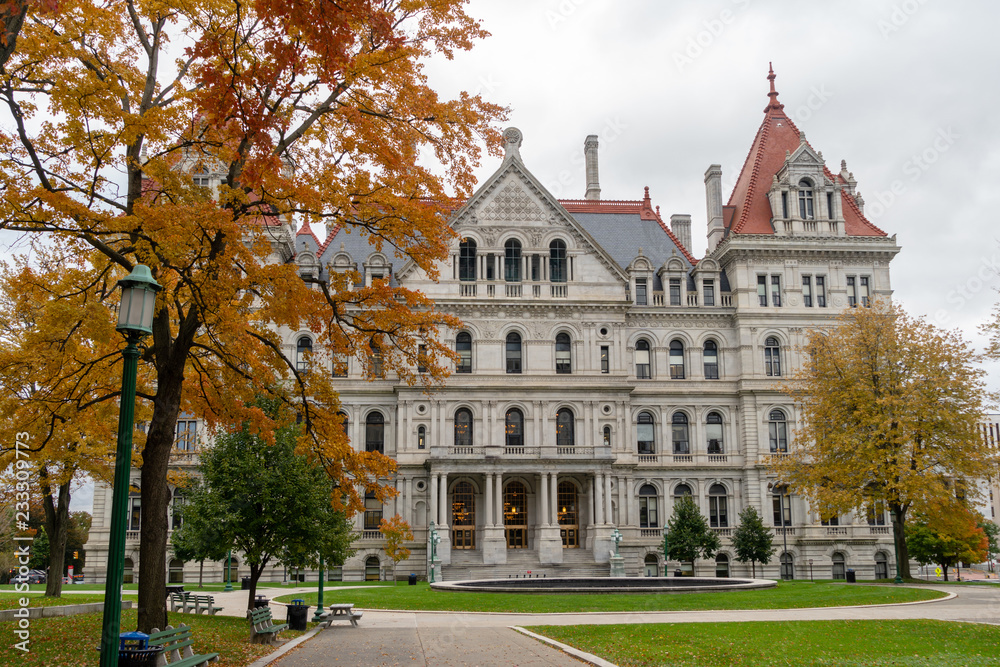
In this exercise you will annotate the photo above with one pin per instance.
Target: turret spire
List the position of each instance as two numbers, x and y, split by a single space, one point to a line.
773 104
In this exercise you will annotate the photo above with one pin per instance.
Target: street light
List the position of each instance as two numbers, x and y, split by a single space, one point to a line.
616 535
435 540
318 616
229 575
666 552
135 320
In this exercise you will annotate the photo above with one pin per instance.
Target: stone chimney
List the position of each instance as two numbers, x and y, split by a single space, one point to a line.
713 197
593 182
680 225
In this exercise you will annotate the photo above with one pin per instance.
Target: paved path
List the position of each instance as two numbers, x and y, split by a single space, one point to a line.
447 638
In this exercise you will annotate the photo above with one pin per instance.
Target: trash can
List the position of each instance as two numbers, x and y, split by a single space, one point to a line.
297 615
260 601
134 650
678 573
851 577
245 583
413 579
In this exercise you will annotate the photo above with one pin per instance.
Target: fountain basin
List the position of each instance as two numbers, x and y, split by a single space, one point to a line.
605 585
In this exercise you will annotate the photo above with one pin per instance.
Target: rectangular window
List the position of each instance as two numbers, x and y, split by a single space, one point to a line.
135 513
829 205
852 291
775 290
821 291
675 291
708 289
339 366
202 181
832 521
605 359
864 291
807 297
490 267
186 435
422 359
784 205
640 292
536 264
762 290
782 502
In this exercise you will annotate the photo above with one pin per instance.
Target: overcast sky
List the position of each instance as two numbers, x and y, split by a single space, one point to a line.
905 91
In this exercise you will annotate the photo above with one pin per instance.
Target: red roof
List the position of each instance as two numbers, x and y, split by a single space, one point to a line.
751 210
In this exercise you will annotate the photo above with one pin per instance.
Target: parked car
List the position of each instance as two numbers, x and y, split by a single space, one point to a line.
33 577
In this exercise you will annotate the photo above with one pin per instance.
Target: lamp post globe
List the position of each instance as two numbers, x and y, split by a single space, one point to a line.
135 320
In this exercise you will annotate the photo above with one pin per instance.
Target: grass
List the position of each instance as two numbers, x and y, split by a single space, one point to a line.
193 586
13 600
787 595
72 641
900 643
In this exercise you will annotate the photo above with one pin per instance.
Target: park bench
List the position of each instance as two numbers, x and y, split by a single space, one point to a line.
341 612
263 629
203 603
177 642
179 602
189 602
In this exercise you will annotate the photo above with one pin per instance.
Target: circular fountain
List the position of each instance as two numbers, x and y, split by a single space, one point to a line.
604 585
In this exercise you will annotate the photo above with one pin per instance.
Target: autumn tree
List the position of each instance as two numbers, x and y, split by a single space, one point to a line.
688 534
753 542
396 531
947 538
992 532
289 110
889 406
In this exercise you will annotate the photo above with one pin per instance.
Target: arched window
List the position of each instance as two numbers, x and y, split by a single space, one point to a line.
463 345
781 505
557 261
375 359
563 362
463 428
788 567
772 357
648 517
564 428
566 515
512 261
711 356
373 569
607 436
777 432
713 431
467 260
513 352
679 433
463 516
373 511
645 436
234 568
129 566
722 566
881 566
421 437
839 566
676 360
806 211
134 510
718 514
681 490
515 515
643 371
651 565
514 428
375 433
303 350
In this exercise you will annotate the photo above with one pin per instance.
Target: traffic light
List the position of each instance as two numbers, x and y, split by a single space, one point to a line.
76 555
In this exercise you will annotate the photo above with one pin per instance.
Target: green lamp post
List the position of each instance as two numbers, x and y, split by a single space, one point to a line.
666 551
318 616
229 578
135 320
435 540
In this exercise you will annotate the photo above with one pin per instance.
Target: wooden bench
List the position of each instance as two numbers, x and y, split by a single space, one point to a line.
177 642
263 629
205 603
342 612
182 602
189 602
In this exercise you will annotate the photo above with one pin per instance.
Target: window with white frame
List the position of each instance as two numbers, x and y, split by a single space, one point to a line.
772 357
303 350
563 357
718 511
710 354
463 346
186 435
676 360
713 433
679 433
512 352
806 207
467 260
643 370
645 433
648 516
777 430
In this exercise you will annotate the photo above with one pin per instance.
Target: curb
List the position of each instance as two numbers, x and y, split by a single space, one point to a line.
286 647
588 658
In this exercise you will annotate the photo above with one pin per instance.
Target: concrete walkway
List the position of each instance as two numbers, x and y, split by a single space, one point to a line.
449 638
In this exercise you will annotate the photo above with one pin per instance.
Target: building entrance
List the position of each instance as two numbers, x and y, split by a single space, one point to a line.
515 515
463 517
569 527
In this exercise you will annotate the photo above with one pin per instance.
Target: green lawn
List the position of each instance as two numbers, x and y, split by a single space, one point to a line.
855 643
72 641
193 586
787 595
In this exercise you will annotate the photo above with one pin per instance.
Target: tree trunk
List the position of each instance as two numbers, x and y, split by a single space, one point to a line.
155 499
201 572
57 528
944 568
255 571
899 537
11 18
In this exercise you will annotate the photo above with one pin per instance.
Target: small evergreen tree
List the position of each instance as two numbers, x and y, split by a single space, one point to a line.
688 534
753 542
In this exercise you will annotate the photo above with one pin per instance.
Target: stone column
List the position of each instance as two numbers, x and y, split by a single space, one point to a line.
498 508
434 497
543 499
599 500
408 504
488 501
443 502
554 515
608 513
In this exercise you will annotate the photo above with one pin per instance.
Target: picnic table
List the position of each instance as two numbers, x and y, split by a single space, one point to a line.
341 612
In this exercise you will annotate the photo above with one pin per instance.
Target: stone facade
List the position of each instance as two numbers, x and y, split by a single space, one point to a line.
605 371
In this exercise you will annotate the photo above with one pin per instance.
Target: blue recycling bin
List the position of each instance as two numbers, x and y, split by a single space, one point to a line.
134 650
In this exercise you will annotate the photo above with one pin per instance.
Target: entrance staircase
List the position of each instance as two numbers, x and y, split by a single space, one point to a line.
468 564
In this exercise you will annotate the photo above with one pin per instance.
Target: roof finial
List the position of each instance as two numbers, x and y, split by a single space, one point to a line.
773 104
645 198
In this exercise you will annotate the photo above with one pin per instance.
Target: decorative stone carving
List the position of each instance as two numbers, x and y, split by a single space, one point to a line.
513 203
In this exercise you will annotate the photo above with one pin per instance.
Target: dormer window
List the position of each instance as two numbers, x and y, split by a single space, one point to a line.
641 295
806 210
